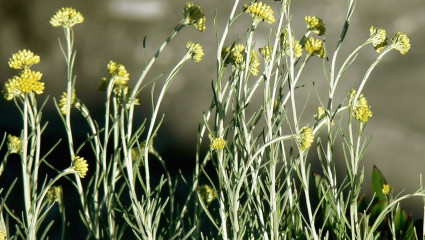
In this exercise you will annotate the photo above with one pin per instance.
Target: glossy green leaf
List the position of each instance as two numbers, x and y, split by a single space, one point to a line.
400 220
377 209
378 182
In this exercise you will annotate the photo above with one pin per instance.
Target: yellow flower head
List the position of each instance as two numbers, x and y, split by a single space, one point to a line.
218 143
266 52
285 44
55 194
193 15
2 235
315 25
362 113
236 56
117 74
23 59
14 144
254 63
315 46
195 51
28 81
64 101
320 113
305 138
66 17
207 193
386 189
378 38
80 166
401 42
361 100
260 12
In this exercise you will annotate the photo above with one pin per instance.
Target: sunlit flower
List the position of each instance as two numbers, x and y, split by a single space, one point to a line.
305 138
320 113
260 12
254 63
362 113
218 143
236 56
117 74
401 42
2 235
64 101
193 15
195 51
14 144
207 193
80 166
315 25
315 46
266 52
378 38
23 59
285 44
361 100
55 194
386 189
66 17
28 81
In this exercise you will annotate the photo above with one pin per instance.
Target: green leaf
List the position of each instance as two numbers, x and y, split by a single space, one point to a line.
410 230
378 182
377 209
361 204
400 220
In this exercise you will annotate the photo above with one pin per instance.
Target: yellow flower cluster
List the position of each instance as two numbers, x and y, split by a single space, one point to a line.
386 189
193 15
362 113
80 166
260 12
297 47
315 46
236 56
207 193
315 25
67 18
320 113
28 81
254 63
266 52
2 235
218 143
14 144
23 59
55 194
305 138
117 74
195 51
378 38
361 100
64 101
361 109
401 42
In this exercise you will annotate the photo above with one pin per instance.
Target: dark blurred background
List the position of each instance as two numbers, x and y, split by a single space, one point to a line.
115 29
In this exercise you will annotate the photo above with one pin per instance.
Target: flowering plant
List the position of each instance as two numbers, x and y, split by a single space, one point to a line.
260 186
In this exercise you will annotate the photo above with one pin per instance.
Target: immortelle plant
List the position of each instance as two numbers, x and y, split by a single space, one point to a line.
261 183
